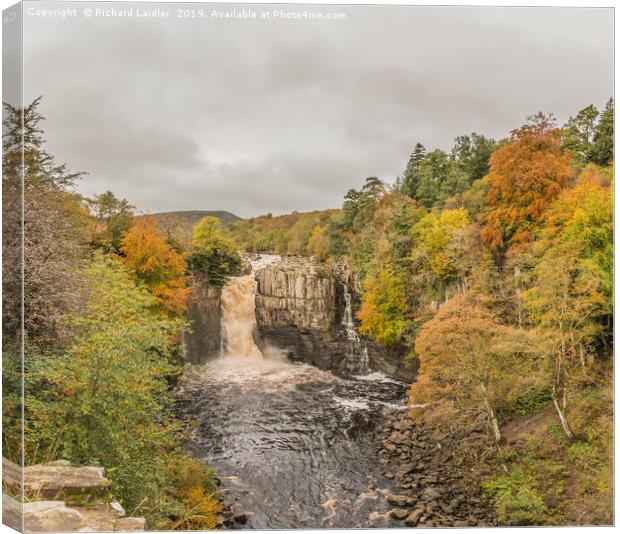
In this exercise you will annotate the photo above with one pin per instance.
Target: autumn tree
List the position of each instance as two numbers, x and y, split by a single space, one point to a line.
467 363
106 396
212 253
319 243
527 174
438 237
383 313
113 218
156 264
572 289
565 301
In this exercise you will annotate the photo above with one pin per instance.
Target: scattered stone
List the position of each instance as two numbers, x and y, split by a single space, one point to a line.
241 518
431 494
414 517
399 513
399 500
425 469
118 508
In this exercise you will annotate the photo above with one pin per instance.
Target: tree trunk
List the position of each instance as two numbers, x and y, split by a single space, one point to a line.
562 416
491 415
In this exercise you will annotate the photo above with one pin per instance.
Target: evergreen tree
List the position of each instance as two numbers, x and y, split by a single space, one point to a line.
603 141
411 177
51 247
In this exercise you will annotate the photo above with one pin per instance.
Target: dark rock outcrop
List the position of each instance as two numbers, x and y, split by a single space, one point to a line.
205 313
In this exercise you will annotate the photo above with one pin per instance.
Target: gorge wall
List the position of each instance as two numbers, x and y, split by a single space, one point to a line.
300 306
204 311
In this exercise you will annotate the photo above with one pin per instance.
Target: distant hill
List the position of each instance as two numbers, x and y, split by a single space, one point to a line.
191 217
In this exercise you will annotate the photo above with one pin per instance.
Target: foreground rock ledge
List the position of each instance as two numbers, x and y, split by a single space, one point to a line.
61 498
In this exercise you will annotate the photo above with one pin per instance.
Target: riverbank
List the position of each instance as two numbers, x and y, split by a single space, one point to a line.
437 488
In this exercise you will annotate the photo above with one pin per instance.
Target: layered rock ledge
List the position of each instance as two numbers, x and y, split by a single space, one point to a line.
296 292
61 498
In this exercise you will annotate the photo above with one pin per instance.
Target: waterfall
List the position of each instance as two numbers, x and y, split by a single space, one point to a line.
347 317
357 358
239 319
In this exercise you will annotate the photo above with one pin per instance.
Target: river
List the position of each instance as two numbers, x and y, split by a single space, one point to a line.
293 445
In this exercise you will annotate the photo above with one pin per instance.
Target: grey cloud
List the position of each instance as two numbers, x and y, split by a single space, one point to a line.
256 116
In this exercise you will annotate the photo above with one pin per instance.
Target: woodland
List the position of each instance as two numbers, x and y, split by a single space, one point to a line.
489 267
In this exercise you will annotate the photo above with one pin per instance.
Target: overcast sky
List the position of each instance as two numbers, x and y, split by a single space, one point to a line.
257 116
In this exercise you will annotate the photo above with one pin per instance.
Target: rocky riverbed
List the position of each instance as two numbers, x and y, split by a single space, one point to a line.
435 491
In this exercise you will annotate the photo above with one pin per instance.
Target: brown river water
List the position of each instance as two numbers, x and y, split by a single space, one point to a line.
292 444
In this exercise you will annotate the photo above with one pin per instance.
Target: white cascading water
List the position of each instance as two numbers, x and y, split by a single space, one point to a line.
358 357
239 319
347 316
239 314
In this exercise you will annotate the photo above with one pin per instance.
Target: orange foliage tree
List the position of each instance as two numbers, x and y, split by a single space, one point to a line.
156 264
468 363
526 174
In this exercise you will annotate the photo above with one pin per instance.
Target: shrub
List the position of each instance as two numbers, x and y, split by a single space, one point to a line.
532 399
517 499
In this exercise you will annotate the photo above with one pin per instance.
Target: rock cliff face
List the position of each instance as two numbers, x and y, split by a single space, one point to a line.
296 309
205 313
301 308
296 292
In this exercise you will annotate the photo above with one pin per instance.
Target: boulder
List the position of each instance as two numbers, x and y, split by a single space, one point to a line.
399 513
399 500
56 482
11 512
52 516
126 524
68 499
414 517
